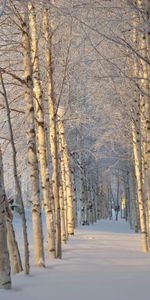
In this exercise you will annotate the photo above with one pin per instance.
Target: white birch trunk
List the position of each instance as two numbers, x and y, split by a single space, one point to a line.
145 87
67 173
41 136
63 178
136 135
53 133
32 151
138 172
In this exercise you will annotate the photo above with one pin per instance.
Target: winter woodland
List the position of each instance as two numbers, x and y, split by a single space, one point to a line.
74 142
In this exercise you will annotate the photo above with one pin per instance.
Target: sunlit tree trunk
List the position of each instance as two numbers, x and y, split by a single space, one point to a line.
145 87
65 155
41 136
136 136
62 191
53 132
63 181
144 43
145 127
32 151
138 172
5 279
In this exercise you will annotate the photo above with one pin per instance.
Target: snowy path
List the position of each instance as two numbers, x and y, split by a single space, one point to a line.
102 261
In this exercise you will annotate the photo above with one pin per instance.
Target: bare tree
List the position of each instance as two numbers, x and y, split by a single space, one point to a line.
5 279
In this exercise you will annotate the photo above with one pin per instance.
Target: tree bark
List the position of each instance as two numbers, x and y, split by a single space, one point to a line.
53 132
67 174
136 136
41 136
62 214
74 192
15 259
134 201
17 182
63 180
5 278
32 151
138 172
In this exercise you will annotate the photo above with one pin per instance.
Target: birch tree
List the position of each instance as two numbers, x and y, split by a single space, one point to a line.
53 131
70 216
16 177
40 124
32 150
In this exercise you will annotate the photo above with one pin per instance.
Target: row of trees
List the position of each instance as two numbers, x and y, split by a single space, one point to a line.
75 105
52 175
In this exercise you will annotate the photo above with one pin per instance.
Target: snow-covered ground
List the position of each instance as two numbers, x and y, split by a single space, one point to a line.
102 261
